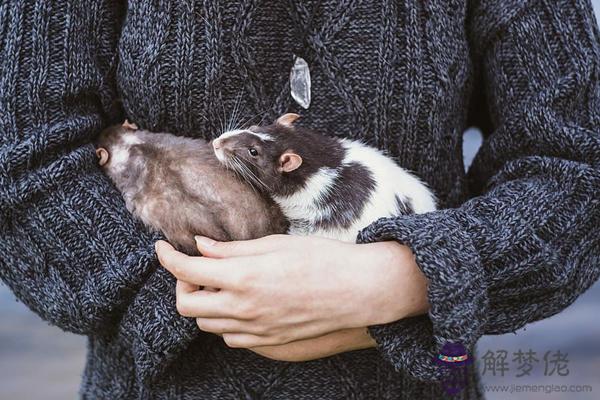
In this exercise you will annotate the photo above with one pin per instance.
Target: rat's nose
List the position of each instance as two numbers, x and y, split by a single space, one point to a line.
217 143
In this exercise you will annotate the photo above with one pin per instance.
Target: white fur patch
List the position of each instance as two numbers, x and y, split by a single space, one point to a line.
302 205
120 153
131 139
262 136
220 154
265 137
119 156
390 180
229 134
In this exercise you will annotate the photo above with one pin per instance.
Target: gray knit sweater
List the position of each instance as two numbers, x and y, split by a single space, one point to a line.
516 239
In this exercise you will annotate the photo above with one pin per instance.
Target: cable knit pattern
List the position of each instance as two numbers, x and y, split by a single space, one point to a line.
515 241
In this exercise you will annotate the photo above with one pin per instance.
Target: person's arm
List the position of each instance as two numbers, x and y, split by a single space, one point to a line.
527 247
68 247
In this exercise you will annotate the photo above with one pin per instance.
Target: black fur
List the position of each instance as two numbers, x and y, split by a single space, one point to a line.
348 196
404 207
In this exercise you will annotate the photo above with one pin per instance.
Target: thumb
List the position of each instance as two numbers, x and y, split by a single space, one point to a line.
211 248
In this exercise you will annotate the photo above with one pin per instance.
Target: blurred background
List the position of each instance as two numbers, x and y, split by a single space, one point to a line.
40 361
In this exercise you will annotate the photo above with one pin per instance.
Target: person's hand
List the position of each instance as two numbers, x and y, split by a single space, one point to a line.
281 288
319 347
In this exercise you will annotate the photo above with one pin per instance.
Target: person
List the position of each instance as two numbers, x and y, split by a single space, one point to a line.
515 239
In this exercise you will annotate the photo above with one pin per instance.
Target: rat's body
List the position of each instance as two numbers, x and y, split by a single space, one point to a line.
325 186
177 186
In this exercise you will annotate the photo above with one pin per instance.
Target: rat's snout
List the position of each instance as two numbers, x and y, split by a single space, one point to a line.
217 143
219 149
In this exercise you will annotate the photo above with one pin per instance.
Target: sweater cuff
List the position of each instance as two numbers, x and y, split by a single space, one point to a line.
457 291
154 329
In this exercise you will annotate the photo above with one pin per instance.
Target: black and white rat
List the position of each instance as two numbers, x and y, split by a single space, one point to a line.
325 186
176 185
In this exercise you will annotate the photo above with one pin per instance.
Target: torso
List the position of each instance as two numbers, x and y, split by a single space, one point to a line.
184 72
337 203
396 75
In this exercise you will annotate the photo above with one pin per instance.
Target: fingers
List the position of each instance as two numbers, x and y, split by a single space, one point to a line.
220 326
211 248
204 304
319 347
247 340
183 288
201 271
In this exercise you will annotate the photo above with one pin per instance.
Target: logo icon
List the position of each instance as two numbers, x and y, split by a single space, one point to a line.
454 359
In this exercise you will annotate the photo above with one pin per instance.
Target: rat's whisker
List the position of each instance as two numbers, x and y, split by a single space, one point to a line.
232 123
262 114
250 175
233 115
223 118
258 180
240 169
230 165
249 119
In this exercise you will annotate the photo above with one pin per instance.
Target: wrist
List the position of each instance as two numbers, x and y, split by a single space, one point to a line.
401 286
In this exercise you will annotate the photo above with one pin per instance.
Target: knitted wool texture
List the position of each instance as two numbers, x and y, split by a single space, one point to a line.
516 239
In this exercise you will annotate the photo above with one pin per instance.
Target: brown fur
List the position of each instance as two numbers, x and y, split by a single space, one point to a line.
177 186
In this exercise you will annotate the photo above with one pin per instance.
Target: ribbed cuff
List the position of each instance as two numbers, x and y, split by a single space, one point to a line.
153 327
457 291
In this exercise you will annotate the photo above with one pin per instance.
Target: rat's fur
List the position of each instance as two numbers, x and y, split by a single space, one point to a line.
177 186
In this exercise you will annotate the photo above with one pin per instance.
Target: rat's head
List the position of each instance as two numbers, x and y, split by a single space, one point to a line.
262 156
113 143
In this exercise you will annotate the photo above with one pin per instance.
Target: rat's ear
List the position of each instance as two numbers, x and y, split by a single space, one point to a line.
289 162
287 119
102 154
129 125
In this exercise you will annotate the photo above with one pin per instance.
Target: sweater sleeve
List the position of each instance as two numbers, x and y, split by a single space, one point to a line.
69 249
528 245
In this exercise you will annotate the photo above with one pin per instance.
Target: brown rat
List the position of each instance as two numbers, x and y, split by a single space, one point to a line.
177 186
325 185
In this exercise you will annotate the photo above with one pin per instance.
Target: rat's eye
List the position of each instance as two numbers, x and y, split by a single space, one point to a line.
252 151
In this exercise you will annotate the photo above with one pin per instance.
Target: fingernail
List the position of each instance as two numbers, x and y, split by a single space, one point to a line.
204 241
160 244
